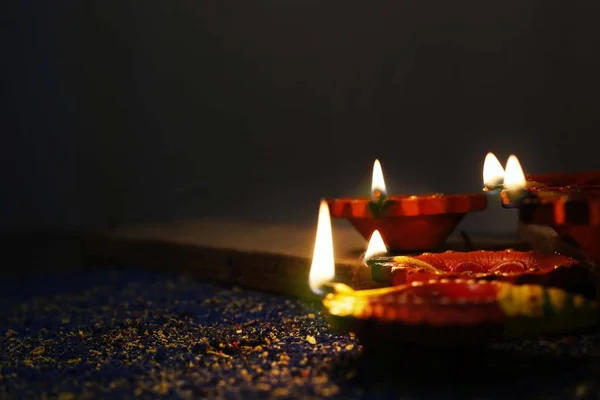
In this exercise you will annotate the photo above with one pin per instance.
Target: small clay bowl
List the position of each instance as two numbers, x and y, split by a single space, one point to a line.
451 313
518 267
409 223
575 217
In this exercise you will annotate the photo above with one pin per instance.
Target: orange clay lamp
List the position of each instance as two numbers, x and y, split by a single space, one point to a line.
407 222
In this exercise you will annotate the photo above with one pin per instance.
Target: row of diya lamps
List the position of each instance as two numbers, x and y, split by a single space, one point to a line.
464 298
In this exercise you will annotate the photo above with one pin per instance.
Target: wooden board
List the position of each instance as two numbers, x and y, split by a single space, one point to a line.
265 256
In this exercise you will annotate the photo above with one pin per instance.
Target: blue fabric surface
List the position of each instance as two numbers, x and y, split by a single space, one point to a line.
121 332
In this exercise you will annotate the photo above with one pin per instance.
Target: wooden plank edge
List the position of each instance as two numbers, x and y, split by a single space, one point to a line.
275 273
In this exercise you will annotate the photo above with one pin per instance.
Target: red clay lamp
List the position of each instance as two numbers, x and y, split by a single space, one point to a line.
409 222
518 267
517 186
568 203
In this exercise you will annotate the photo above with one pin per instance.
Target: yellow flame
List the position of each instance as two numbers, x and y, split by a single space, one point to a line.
514 178
377 183
322 269
376 246
493 173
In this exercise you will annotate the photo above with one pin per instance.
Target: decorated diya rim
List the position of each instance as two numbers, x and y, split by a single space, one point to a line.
467 306
562 210
565 180
409 205
517 267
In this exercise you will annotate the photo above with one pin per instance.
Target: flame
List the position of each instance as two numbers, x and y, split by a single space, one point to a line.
322 269
376 246
514 178
493 173
377 183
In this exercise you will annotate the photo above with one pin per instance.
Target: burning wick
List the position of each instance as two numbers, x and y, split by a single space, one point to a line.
493 173
379 201
515 186
378 189
322 269
376 247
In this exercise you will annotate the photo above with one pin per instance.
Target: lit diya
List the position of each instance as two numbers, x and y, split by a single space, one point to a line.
496 178
443 313
410 222
510 180
569 203
518 267
516 186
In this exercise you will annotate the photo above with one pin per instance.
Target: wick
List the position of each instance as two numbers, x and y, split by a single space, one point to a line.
513 198
376 195
492 188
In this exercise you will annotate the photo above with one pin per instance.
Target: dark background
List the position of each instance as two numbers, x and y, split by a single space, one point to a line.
122 111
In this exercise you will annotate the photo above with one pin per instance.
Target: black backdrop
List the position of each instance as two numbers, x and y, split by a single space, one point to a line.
122 111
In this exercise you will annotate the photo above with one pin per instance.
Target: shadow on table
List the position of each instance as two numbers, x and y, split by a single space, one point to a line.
473 374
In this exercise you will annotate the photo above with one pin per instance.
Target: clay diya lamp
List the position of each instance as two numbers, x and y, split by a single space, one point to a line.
456 314
408 223
461 313
517 267
572 211
510 182
574 217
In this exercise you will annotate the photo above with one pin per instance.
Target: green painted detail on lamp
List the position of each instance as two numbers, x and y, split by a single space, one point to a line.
533 309
379 206
400 261
378 261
